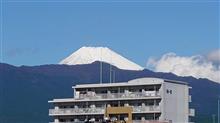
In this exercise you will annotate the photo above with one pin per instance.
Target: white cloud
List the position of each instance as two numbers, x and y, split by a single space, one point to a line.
197 66
214 56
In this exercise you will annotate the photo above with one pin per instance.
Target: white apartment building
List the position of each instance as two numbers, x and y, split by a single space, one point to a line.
152 100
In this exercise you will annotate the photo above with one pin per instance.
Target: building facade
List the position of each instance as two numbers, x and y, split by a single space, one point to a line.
150 99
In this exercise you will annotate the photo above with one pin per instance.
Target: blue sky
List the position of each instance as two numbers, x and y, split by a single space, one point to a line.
37 33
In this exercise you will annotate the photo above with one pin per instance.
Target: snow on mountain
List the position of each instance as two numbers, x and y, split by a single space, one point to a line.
87 55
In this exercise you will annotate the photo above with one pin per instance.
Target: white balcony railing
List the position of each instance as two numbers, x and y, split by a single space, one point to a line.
143 109
190 98
75 111
149 121
69 122
99 110
92 95
192 112
134 121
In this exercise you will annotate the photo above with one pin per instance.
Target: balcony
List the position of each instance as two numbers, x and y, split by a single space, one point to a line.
146 109
192 112
134 121
69 122
149 121
76 111
100 110
190 98
128 95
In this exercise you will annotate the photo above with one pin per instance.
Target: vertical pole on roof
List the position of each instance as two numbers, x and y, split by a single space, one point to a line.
113 76
110 74
100 72
101 67
110 69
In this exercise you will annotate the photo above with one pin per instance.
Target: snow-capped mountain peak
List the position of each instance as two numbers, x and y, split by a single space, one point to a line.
87 55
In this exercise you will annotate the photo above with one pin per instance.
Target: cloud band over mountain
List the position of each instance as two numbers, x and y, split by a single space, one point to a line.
198 66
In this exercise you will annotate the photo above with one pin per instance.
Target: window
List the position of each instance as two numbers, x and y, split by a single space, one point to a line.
169 91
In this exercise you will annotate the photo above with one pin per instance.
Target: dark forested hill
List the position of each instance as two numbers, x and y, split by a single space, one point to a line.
25 90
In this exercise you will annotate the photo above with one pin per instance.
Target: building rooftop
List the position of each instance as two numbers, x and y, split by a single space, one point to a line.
134 82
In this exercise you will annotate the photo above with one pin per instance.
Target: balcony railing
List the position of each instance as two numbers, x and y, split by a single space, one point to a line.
143 109
74 111
192 112
190 98
69 122
92 95
99 110
149 121
134 121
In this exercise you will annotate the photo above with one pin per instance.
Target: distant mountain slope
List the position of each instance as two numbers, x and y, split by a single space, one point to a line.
24 91
88 55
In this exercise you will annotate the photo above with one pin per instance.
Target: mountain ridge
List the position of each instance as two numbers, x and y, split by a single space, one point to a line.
32 86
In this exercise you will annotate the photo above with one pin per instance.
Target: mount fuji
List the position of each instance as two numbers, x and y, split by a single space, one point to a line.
88 55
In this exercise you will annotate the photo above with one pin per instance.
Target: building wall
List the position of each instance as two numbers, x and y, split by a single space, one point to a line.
175 102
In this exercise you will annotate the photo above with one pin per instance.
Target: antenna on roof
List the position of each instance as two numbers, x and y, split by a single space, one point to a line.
110 69
113 76
101 67
110 72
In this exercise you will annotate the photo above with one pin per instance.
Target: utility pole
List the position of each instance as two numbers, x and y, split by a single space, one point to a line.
213 118
218 110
